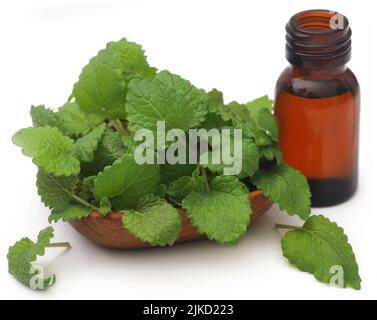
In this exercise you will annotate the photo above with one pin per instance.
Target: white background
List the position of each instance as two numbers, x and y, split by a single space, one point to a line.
235 46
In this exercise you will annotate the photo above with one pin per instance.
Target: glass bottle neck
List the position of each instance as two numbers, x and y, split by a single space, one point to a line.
318 39
324 72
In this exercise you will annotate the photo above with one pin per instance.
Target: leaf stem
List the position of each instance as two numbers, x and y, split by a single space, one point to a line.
85 203
117 124
74 196
204 174
286 226
59 245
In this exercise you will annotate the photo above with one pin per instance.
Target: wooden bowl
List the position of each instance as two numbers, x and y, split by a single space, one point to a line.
109 232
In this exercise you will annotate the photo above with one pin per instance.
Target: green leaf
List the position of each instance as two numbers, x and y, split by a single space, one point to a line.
261 111
214 121
223 214
271 152
105 206
126 181
24 252
88 183
318 247
216 103
128 57
215 118
71 212
155 221
129 143
242 119
43 117
250 158
161 190
239 116
49 148
102 85
55 192
166 98
110 148
287 187
170 172
180 188
84 147
75 121
101 89
260 103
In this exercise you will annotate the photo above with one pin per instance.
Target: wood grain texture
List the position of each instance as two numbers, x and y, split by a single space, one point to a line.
109 232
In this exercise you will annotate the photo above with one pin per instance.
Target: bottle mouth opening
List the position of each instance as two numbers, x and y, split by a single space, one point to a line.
318 35
319 21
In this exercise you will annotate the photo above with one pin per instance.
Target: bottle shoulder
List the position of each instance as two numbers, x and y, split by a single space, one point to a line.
309 84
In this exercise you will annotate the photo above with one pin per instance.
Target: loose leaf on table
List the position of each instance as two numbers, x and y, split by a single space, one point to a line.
287 187
43 117
75 121
85 147
23 253
125 182
223 213
154 221
71 212
49 148
321 248
102 85
167 98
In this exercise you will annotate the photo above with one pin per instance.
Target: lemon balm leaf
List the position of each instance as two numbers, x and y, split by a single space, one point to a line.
103 82
180 188
76 122
168 98
261 111
223 213
85 147
24 252
49 148
287 187
43 117
321 248
71 212
155 221
125 182
55 192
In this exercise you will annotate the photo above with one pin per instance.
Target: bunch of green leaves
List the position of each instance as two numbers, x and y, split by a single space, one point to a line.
84 153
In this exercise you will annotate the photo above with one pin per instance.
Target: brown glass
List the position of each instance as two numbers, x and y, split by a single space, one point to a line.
317 107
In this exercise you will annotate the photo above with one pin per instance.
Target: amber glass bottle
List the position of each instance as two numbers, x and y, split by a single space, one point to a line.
317 105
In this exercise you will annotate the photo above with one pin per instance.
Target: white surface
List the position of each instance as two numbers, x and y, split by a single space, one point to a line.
235 46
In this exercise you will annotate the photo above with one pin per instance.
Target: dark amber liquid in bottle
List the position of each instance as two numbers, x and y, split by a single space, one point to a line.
317 108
